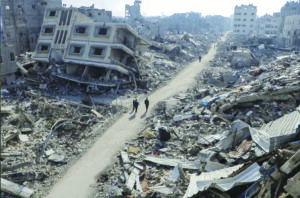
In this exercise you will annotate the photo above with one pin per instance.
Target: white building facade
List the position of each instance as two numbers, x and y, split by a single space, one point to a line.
245 17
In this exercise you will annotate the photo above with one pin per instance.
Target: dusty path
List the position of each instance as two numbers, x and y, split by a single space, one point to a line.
78 180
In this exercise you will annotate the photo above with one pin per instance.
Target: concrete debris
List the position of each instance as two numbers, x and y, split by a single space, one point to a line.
204 181
15 189
292 185
213 132
173 162
27 119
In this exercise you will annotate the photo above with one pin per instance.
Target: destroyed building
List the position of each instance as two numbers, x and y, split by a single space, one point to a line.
243 58
87 51
21 23
133 12
98 15
245 19
291 31
268 25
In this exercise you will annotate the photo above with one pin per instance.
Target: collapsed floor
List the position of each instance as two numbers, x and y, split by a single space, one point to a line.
235 135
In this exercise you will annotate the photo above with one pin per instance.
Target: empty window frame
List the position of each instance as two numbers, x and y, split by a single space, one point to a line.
43 47
65 36
98 51
80 29
48 30
21 34
76 49
12 56
102 31
52 13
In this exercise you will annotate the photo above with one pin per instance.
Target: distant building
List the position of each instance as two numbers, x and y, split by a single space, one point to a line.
100 15
291 31
90 51
268 26
245 19
133 12
290 8
21 24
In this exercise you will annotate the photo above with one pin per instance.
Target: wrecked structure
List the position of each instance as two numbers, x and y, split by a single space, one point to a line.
133 12
268 25
88 51
291 31
21 24
240 141
243 58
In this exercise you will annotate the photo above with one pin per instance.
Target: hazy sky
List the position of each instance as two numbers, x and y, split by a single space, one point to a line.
169 7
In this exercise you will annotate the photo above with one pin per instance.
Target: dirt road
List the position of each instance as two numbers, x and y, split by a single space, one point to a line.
78 181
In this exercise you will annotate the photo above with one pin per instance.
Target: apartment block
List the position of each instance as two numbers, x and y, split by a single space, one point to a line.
291 31
245 19
268 25
88 51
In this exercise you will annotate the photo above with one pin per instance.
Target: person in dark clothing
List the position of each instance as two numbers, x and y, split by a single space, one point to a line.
135 105
147 104
200 58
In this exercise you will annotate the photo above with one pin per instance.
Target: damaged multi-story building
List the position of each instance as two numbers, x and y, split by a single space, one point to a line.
133 12
268 25
290 25
21 24
89 51
245 19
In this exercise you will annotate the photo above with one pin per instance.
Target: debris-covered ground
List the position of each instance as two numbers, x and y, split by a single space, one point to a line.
236 134
43 134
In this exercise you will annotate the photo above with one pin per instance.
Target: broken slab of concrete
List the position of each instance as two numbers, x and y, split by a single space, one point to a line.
16 189
292 186
173 162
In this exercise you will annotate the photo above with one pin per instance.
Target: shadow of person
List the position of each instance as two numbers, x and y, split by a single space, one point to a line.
131 111
132 117
144 115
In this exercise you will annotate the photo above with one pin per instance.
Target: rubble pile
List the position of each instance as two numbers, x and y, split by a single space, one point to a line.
164 59
42 133
40 136
236 141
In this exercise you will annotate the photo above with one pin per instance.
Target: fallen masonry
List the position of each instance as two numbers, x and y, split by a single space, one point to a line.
42 135
45 127
227 139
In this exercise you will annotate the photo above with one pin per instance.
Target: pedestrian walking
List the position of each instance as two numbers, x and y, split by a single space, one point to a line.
133 105
200 58
136 105
147 104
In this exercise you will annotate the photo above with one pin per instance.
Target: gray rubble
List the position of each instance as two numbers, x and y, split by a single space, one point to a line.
212 149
